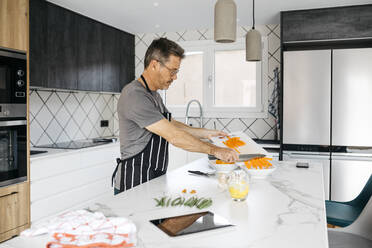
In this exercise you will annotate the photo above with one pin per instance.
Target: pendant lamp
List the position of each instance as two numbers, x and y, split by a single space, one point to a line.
253 43
225 21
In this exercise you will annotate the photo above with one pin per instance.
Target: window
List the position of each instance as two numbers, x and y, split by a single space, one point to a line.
218 76
189 83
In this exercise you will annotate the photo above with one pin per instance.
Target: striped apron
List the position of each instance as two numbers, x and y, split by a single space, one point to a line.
148 164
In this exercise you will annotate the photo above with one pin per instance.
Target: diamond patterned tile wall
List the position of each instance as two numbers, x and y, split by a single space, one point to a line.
255 128
58 116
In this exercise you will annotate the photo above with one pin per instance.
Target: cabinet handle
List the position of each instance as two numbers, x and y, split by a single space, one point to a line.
15 192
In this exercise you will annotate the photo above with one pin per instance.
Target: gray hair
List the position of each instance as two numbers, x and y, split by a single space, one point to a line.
161 49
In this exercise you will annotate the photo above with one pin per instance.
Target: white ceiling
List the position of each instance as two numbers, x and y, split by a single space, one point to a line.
151 16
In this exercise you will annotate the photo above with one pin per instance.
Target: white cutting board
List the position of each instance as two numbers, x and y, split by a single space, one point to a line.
250 146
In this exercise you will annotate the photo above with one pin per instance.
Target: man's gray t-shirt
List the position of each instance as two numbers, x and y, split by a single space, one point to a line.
137 108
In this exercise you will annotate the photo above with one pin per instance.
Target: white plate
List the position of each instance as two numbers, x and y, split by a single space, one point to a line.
258 173
222 167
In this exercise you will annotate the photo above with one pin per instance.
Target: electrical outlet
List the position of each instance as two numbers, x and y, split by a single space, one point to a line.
104 123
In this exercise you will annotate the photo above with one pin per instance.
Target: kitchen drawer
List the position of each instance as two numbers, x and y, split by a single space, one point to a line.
349 177
14 205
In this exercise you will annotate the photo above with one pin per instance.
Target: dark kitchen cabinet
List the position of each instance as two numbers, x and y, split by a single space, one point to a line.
327 23
127 67
38 43
71 51
61 48
110 59
89 54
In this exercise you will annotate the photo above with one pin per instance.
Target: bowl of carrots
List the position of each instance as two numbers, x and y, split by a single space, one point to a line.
258 167
222 166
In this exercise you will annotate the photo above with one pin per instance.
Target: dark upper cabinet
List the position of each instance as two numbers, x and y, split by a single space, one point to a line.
89 54
38 43
61 48
110 59
127 67
327 24
70 51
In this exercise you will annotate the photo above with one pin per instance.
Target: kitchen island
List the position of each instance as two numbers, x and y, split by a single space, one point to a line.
285 210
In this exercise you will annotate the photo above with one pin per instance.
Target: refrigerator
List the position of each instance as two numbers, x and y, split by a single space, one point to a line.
327 115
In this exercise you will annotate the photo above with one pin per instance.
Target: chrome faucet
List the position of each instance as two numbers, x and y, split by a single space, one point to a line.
200 112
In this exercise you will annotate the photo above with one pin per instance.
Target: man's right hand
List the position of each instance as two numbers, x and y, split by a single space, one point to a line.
226 154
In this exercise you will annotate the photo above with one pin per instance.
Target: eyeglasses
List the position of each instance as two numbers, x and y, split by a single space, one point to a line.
173 72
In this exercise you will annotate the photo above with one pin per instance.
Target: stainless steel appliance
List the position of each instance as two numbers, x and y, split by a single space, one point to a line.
326 110
13 122
12 79
13 151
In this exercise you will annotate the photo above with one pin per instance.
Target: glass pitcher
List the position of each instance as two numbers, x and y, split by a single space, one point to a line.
238 185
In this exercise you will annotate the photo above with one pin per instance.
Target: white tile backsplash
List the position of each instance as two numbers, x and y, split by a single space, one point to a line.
59 116
260 128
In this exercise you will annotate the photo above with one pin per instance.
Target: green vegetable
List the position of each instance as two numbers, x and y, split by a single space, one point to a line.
205 203
176 201
194 202
162 201
187 203
182 201
200 203
157 202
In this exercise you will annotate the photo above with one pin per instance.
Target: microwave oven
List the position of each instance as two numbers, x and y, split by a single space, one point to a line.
13 77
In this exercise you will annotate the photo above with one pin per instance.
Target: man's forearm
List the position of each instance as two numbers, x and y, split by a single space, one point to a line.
189 142
194 131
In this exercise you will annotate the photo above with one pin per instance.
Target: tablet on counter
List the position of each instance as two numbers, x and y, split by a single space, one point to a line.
192 223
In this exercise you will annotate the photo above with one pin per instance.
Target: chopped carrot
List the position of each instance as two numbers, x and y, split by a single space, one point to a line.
184 191
233 143
193 191
222 162
258 163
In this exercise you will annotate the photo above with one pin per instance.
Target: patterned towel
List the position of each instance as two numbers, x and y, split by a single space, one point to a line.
81 228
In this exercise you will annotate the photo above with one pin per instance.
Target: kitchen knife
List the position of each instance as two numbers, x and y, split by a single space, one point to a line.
242 157
200 173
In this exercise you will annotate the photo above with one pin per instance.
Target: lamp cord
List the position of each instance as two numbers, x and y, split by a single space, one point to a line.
253 15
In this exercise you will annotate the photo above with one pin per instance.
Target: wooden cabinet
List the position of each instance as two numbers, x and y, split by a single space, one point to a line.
327 24
89 54
14 210
14 24
110 59
71 51
61 48
127 67
38 43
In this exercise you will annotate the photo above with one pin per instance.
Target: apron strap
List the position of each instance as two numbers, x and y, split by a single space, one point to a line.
118 161
147 86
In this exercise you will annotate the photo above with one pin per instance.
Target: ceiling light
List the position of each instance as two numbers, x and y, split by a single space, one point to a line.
156 4
225 21
253 43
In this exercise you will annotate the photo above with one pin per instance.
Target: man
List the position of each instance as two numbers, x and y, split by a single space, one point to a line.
146 125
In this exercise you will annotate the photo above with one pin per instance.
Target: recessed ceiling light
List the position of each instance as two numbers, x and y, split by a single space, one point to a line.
156 4
157 26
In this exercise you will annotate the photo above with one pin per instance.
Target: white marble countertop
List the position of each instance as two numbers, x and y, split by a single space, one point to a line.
285 210
52 152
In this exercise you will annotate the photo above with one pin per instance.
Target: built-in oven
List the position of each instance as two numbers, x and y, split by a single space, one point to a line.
13 77
13 151
13 122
